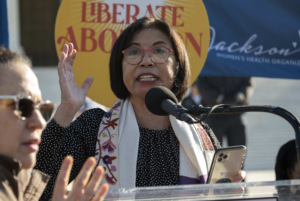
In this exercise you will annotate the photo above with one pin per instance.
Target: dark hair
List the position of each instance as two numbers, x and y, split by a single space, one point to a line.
181 82
286 160
8 56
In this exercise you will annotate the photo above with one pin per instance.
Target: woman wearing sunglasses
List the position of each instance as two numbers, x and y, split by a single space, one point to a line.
23 116
136 147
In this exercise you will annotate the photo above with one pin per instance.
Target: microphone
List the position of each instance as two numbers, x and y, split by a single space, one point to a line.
162 101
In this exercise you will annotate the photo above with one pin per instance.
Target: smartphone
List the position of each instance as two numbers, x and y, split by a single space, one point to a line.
226 164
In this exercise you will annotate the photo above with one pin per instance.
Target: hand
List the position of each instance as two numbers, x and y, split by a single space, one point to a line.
72 96
220 99
240 177
238 191
83 188
240 98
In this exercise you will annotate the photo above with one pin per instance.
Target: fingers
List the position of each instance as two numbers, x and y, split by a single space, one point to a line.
63 178
243 174
64 53
87 84
240 177
94 183
67 58
82 179
71 57
83 189
62 59
101 193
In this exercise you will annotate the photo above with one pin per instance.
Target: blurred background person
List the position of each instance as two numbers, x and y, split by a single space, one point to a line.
287 165
20 128
193 97
226 90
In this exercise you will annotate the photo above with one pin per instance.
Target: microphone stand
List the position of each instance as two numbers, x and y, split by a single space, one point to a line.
199 112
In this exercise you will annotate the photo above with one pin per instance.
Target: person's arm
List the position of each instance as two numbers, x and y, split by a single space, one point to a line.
47 155
72 96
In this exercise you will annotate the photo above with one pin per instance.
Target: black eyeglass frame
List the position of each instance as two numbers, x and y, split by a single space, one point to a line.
16 98
150 50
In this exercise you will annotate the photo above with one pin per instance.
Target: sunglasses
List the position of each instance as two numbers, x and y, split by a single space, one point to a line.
26 106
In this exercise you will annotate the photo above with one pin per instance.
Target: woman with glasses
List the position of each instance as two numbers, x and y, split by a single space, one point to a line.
23 116
136 148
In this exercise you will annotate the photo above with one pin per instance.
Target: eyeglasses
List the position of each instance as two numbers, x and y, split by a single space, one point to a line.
159 55
25 106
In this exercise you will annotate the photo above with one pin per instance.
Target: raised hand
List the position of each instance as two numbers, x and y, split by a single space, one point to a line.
83 188
72 96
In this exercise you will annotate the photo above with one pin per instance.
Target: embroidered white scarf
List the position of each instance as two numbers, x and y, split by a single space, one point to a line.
118 142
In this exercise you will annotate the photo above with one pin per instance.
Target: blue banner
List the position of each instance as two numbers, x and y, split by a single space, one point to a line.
3 24
259 38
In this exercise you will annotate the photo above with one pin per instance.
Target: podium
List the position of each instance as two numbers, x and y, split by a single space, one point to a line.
287 190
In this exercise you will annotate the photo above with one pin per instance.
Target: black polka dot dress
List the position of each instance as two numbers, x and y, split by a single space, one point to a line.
158 158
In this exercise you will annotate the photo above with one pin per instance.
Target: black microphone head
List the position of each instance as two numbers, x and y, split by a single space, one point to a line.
156 96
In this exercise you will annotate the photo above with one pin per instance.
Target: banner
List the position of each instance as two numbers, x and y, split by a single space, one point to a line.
94 25
253 38
4 40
